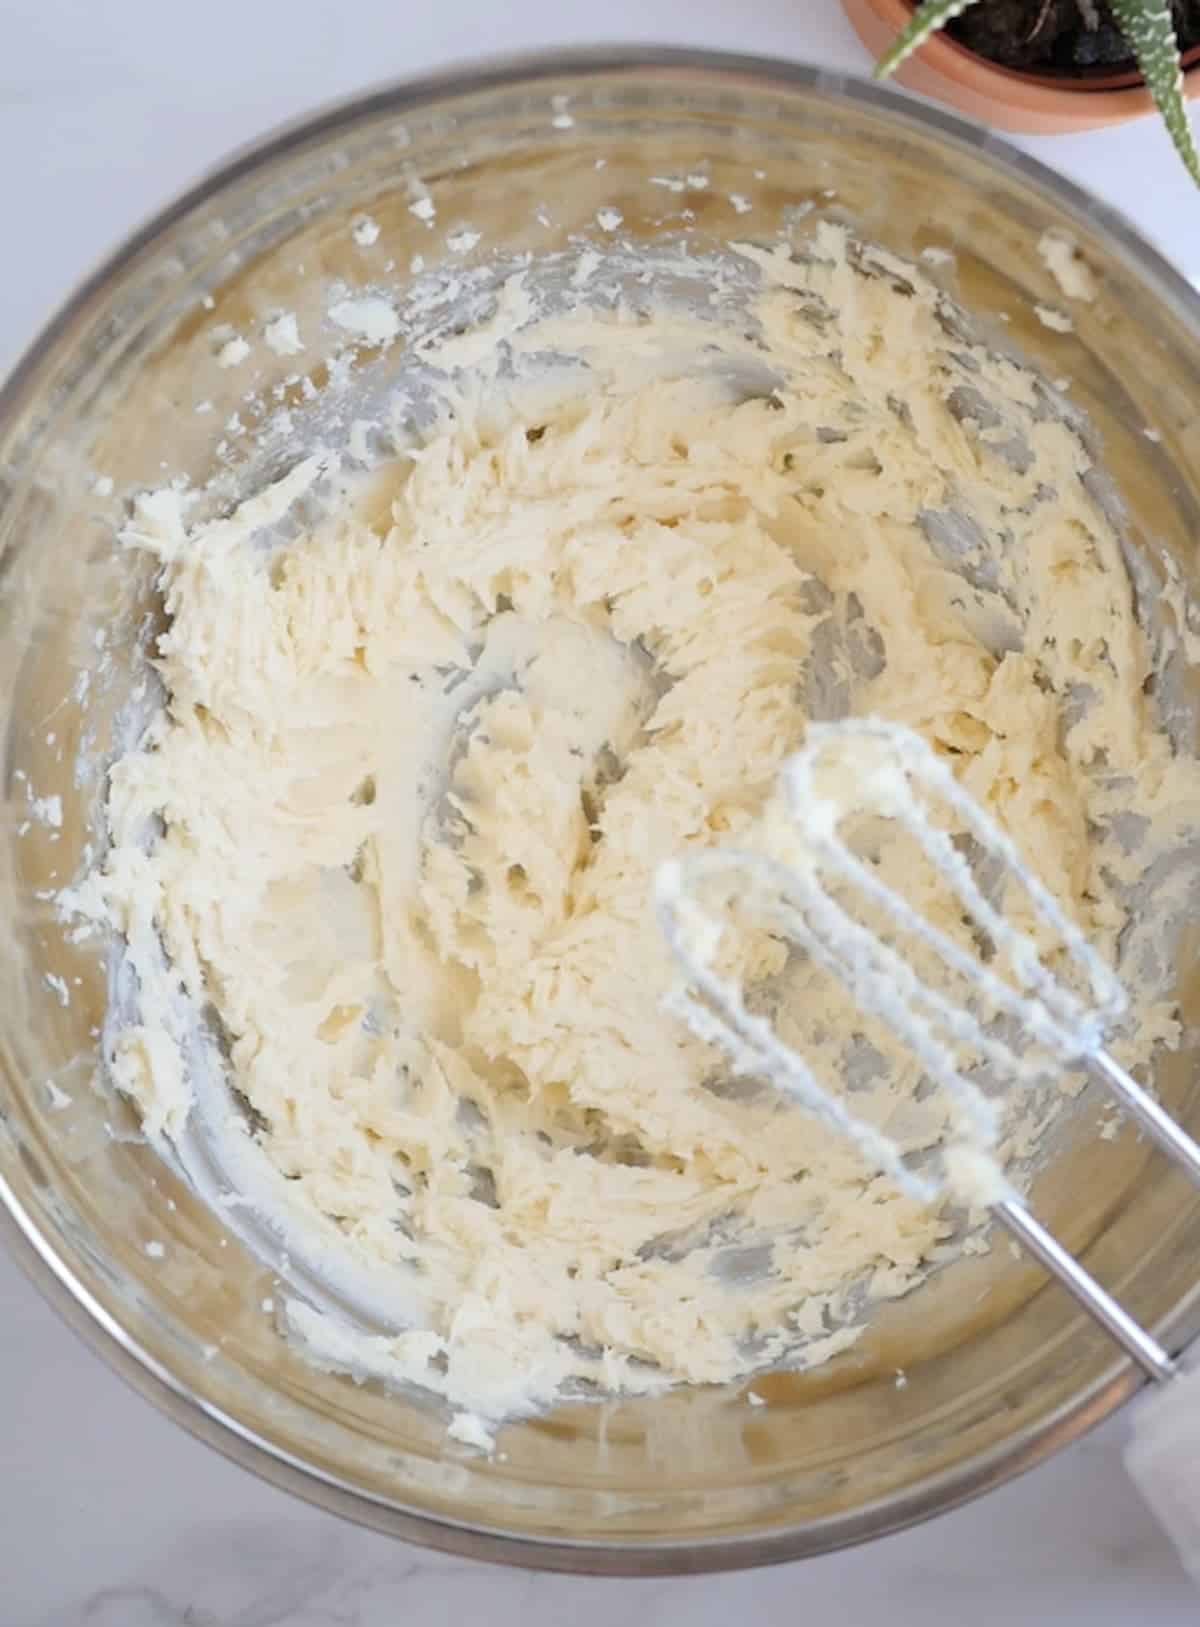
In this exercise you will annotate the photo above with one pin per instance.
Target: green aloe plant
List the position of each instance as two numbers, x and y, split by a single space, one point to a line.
1149 27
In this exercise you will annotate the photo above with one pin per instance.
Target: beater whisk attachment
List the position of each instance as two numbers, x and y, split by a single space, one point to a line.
1016 1002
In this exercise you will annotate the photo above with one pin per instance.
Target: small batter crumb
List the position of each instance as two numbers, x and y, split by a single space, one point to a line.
233 352
462 241
1062 258
1058 321
283 335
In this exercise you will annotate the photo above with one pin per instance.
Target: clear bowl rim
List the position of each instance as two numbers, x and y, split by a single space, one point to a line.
72 1299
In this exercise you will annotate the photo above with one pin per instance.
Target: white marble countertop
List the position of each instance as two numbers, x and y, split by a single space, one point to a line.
111 1516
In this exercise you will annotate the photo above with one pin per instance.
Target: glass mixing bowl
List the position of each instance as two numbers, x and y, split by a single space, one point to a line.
1001 1369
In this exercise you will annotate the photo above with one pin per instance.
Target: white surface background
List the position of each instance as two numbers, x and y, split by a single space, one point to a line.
111 1516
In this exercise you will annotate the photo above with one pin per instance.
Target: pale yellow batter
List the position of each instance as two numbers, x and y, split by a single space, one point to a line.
420 762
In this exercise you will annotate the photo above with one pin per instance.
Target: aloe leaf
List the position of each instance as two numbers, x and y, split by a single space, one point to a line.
930 16
1149 26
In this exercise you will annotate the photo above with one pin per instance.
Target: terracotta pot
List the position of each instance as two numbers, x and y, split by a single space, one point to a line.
1000 97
